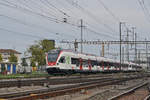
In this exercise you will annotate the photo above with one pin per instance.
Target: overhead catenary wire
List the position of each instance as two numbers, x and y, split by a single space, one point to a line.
92 26
38 14
96 28
113 15
68 9
21 34
93 31
108 10
28 8
146 13
24 23
25 3
100 34
35 13
14 6
49 8
34 25
56 8
89 25
29 11
91 15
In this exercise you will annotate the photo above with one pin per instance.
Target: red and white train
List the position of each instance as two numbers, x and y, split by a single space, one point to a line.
68 61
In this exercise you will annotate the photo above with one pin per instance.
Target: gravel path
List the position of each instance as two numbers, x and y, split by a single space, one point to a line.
102 93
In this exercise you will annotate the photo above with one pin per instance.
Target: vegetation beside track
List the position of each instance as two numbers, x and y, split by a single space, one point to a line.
29 75
45 74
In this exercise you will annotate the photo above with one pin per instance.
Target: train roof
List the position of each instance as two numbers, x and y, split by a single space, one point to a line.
91 56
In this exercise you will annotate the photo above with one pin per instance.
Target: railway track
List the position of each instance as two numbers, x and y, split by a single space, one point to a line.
54 80
52 92
49 80
130 94
147 97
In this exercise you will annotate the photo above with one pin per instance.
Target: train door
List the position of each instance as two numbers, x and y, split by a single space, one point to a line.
85 65
94 65
111 68
68 62
62 62
97 68
108 66
130 67
89 65
81 64
105 66
102 65
65 62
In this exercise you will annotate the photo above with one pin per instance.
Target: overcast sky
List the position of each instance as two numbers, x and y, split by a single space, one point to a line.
24 21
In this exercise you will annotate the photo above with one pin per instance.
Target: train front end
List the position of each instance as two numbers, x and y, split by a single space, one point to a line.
51 60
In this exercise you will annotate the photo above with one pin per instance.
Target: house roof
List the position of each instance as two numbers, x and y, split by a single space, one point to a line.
9 51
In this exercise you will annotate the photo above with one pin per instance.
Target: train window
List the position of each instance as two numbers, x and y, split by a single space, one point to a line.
74 60
52 57
99 63
62 60
85 63
125 65
111 64
77 64
105 64
116 65
93 63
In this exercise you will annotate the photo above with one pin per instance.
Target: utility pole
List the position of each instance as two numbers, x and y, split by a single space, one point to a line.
146 55
75 45
133 29
103 49
135 47
81 35
123 54
120 41
127 45
139 57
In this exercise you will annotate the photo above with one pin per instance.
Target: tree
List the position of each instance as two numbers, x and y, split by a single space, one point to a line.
13 58
47 45
33 64
39 49
24 63
1 58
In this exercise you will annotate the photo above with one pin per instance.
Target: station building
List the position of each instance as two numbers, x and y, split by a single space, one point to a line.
7 67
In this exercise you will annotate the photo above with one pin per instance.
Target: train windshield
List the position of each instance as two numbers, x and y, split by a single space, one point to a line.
52 56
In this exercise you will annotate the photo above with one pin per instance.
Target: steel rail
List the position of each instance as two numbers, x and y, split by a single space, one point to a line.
41 82
16 94
51 80
71 89
128 92
147 98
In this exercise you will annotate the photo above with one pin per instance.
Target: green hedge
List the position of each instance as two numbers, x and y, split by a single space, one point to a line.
32 75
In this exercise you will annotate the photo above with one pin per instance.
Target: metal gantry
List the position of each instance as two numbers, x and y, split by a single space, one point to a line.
102 43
